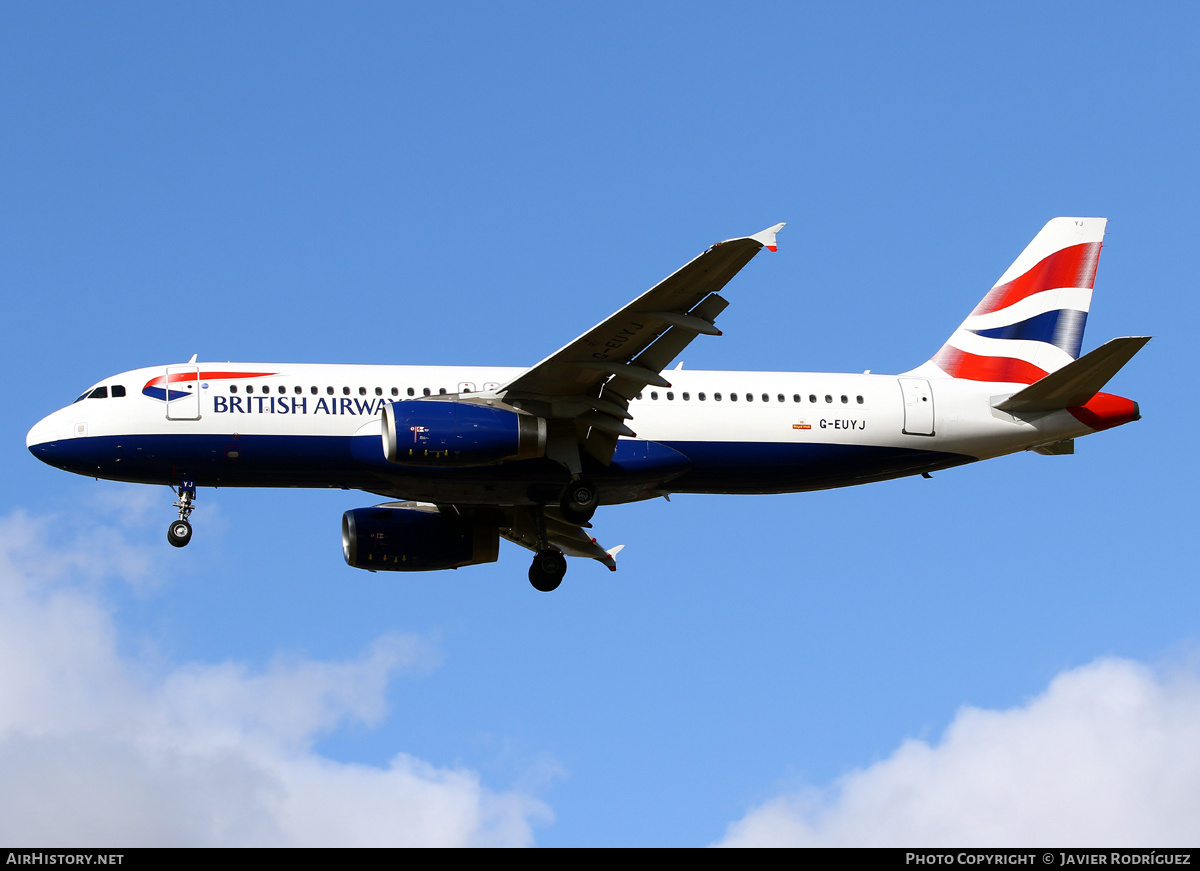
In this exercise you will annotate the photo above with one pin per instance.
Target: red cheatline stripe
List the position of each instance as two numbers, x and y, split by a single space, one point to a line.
1069 267
960 364
176 377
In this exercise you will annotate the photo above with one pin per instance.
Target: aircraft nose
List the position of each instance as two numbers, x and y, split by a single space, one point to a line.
45 430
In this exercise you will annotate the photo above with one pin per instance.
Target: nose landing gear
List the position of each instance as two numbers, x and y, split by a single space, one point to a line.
179 533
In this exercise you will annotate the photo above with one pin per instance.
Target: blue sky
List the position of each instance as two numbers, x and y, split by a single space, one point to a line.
480 183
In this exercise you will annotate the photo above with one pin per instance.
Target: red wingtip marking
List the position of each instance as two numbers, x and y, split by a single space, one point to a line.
719 333
772 247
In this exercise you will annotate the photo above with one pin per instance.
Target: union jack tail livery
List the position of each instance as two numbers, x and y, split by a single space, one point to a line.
1031 322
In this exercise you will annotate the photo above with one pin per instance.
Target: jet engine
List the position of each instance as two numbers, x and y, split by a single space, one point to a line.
433 433
407 537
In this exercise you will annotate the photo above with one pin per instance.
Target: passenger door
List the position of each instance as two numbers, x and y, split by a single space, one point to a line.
918 406
183 392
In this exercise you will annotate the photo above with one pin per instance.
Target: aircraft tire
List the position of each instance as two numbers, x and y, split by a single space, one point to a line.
179 533
579 501
547 571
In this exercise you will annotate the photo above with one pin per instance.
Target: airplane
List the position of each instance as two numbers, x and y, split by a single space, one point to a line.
471 454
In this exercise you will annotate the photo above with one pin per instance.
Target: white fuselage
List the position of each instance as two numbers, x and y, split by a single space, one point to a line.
244 424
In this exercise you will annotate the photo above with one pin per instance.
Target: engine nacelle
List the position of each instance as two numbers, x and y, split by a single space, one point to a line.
415 539
433 433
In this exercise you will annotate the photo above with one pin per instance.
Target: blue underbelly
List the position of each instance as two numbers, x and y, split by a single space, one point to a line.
638 467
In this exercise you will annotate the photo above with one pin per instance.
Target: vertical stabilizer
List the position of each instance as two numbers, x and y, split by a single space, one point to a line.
1031 322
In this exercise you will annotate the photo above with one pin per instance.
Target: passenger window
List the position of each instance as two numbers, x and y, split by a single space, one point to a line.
828 398
844 399
379 391
639 396
233 388
426 391
795 397
670 395
298 389
249 388
700 396
733 397
411 392
654 394
329 390
860 400
313 390
282 389
782 398
812 397
749 397
716 397
362 391
441 391
345 391
766 397
99 393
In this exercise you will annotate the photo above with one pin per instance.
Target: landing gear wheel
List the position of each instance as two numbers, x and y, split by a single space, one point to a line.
179 533
579 501
547 570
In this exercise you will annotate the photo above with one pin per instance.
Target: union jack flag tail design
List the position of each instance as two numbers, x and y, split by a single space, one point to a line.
1031 322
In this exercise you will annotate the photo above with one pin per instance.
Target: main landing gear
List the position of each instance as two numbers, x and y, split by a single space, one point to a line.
579 501
547 570
549 565
576 506
179 533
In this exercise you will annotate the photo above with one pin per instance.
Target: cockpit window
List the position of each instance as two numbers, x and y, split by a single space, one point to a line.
118 390
99 393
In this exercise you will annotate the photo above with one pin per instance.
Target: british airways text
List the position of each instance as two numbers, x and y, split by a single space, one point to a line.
296 405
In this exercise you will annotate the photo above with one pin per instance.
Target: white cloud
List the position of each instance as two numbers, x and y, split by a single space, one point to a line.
100 748
1107 755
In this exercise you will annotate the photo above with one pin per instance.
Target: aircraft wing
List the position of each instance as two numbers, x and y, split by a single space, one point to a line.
570 538
591 380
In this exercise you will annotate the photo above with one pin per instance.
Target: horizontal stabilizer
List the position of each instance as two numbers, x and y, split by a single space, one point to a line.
1077 382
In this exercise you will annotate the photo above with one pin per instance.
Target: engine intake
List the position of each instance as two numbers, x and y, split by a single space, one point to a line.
432 433
415 539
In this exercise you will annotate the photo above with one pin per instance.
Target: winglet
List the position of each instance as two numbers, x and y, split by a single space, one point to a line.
611 561
767 237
